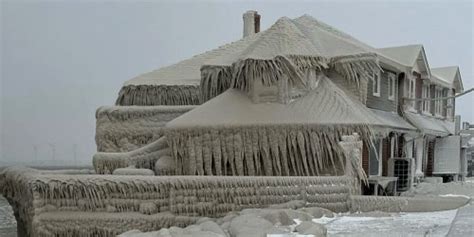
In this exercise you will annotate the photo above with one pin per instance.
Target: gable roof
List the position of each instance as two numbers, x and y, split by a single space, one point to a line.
410 56
450 75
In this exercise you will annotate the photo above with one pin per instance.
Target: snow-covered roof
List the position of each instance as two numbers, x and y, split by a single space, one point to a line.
430 125
449 75
303 36
412 56
188 72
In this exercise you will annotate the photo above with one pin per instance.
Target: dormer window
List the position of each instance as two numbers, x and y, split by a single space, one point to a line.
391 86
376 84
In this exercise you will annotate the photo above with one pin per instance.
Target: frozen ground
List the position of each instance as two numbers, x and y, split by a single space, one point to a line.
390 225
444 189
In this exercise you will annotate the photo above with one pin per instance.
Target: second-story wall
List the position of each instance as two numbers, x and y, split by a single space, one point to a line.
382 101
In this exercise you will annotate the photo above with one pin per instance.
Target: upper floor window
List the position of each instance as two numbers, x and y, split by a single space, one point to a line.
376 84
410 91
391 86
438 103
449 104
426 95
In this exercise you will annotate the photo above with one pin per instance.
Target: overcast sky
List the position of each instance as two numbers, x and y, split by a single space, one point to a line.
60 60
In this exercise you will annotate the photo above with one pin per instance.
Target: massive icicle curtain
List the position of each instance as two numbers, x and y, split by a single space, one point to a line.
262 150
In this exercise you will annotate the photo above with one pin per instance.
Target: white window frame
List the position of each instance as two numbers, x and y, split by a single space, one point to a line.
391 86
393 147
439 94
376 88
425 94
380 157
449 105
410 92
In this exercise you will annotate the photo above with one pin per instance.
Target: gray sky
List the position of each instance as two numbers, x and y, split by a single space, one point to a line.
60 60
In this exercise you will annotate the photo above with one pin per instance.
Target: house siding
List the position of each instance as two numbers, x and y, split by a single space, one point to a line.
382 102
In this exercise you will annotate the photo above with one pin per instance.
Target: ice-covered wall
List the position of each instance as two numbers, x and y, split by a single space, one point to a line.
125 128
105 205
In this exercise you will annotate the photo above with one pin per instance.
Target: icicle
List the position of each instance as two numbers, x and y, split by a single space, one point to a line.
238 154
274 151
229 140
225 156
248 150
216 152
207 155
191 156
199 159
265 152
302 149
256 152
283 152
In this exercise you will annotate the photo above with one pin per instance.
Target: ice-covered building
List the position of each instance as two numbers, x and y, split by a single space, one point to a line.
280 107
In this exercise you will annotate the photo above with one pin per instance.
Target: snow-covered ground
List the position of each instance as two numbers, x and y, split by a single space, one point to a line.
465 188
390 224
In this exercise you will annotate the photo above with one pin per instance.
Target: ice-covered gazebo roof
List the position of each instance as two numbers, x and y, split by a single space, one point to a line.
326 105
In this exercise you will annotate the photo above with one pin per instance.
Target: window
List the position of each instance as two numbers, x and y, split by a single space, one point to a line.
410 92
439 103
391 86
376 84
426 95
449 105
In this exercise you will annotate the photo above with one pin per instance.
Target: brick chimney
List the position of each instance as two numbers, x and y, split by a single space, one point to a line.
251 23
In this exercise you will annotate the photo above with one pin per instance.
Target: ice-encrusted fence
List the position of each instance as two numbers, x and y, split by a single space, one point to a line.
103 205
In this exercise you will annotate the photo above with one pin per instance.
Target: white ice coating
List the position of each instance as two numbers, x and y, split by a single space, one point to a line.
131 170
106 205
126 128
289 47
144 157
283 149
